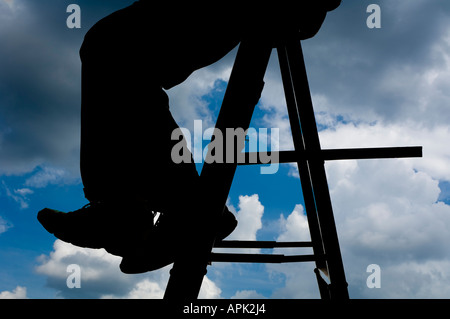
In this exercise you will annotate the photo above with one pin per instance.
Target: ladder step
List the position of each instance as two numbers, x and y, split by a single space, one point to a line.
262 258
334 154
261 244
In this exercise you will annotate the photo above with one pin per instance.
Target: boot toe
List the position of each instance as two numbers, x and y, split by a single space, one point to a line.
49 218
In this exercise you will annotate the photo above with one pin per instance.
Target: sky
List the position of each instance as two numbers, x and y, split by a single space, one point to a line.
371 87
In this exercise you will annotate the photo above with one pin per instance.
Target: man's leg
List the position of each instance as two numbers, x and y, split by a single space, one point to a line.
126 144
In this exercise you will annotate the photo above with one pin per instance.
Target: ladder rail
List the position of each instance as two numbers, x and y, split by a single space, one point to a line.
299 81
242 94
299 146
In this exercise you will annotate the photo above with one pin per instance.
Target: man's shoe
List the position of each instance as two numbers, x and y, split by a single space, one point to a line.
166 240
113 226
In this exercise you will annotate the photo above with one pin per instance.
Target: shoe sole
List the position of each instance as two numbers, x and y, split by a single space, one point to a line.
141 263
46 218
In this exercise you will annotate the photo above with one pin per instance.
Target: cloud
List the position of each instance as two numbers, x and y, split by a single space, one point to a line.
434 140
299 279
384 87
144 289
209 290
48 175
247 294
398 224
101 277
40 92
188 100
225 276
4 225
18 195
393 75
249 218
360 69
371 89
389 206
422 280
18 293
100 273
295 226
387 213
40 84
9 8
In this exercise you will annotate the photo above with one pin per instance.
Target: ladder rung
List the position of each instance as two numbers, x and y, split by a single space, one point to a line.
335 154
261 244
262 258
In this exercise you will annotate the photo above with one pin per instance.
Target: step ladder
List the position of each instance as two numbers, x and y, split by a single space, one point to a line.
242 95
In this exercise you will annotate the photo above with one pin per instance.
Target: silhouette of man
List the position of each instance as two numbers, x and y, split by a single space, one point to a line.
128 59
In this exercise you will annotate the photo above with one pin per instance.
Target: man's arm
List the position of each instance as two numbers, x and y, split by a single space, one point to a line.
280 20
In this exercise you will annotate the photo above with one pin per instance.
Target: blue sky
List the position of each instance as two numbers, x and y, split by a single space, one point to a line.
370 87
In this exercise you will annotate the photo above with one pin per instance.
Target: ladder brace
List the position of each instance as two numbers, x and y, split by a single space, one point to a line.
252 158
264 258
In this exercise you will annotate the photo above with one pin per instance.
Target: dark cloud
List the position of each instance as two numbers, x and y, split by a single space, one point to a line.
352 64
348 63
40 83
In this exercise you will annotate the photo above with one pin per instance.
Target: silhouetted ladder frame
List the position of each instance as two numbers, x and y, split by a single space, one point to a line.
242 94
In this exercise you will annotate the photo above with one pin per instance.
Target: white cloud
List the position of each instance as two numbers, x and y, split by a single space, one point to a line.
186 102
18 293
273 103
144 289
209 290
249 218
100 274
4 225
422 280
387 212
101 277
272 97
397 224
300 281
299 278
247 294
18 195
295 227
286 280
436 154
47 175
95 263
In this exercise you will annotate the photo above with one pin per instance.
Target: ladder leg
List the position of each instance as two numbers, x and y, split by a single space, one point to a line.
242 94
302 165
297 79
